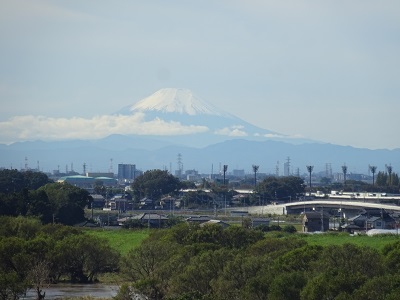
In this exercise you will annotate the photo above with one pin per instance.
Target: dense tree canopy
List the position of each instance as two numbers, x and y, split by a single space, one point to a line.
32 254
14 181
32 194
67 202
209 262
155 183
281 188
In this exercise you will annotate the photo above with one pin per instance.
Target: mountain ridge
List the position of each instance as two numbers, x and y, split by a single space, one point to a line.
237 153
227 139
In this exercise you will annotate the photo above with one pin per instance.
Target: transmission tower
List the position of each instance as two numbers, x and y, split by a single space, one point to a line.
328 170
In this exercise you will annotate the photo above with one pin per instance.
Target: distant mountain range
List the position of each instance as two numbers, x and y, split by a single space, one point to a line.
222 139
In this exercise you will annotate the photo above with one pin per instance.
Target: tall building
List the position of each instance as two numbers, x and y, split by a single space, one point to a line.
126 172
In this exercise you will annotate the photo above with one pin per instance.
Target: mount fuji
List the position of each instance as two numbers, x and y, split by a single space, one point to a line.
181 106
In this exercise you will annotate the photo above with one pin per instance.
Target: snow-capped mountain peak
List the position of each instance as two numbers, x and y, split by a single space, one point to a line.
174 100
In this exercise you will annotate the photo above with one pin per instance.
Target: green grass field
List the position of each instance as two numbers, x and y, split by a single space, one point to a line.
327 239
122 240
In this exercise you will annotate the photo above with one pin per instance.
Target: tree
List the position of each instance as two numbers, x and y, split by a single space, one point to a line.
287 285
281 187
11 286
202 269
83 257
255 169
238 277
154 184
341 270
67 202
381 178
14 266
13 181
39 277
144 266
39 205
379 288
99 188
373 171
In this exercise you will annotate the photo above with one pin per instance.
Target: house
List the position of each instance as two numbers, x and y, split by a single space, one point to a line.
211 222
315 221
98 201
146 203
374 219
351 228
150 220
169 203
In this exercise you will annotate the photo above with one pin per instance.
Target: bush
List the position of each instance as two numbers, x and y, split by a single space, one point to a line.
289 229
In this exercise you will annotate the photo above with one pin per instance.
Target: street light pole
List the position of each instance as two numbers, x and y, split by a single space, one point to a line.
225 169
310 169
344 169
255 169
373 170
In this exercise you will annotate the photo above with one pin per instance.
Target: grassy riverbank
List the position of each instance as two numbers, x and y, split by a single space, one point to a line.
122 240
377 242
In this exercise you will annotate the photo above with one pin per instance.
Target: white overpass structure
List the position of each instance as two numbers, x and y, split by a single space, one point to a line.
283 209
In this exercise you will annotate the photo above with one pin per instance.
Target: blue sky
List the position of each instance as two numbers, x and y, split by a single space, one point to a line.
324 70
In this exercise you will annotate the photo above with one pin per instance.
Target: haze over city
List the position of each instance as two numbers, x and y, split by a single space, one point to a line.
326 71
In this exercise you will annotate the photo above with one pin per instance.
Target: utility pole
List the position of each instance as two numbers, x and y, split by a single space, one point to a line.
225 169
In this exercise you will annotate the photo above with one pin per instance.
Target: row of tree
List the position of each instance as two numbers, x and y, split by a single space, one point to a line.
33 194
34 255
157 183
386 179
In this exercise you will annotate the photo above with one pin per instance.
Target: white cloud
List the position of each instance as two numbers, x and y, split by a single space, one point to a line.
231 131
30 127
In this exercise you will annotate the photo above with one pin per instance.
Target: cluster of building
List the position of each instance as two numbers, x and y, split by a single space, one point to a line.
369 219
155 220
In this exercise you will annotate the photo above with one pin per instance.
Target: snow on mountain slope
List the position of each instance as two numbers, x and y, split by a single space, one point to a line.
180 111
173 100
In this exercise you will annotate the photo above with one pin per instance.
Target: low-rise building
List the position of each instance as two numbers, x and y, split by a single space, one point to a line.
315 221
150 220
